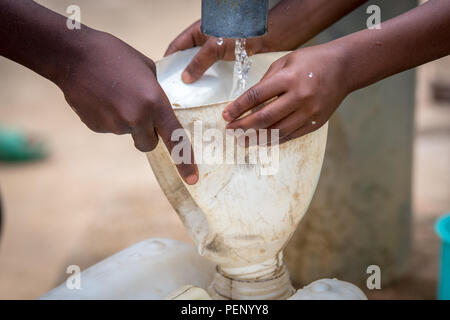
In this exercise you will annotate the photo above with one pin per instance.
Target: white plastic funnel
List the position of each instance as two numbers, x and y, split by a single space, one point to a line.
237 217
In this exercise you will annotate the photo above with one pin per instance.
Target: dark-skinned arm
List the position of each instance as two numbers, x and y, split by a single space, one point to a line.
311 83
291 23
111 86
416 37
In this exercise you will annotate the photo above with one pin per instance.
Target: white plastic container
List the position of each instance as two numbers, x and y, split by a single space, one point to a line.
239 218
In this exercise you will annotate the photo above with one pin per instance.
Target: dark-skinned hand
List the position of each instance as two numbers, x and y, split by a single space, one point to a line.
113 89
305 86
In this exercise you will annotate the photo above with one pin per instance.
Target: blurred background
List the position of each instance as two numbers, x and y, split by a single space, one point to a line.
96 194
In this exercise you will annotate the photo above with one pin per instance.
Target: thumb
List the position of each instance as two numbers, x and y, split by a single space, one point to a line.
209 53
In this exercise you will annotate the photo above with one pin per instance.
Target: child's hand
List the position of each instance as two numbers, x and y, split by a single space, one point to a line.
113 89
111 86
210 52
290 24
309 84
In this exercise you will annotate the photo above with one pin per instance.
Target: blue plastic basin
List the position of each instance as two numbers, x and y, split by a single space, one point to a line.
443 230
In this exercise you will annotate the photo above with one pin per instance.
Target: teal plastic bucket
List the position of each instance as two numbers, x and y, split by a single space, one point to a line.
443 230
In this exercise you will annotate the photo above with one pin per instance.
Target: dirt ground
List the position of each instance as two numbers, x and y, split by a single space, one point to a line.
96 194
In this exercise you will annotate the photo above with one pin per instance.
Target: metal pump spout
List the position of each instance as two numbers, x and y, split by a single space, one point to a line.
234 18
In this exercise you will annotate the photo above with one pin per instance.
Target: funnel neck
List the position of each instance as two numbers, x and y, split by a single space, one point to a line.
264 281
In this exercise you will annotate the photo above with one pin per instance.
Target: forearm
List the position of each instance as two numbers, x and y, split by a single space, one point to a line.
38 38
294 22
407 41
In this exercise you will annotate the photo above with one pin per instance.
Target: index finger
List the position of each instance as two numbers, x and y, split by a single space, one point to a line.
178 144
208 54
266 89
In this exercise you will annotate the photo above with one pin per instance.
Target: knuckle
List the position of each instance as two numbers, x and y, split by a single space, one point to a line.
214 50
172 46
307 92
302 93
96 128
152 65
298 96
253 95
195 66
276 65
271 69
314 111
120 128
155 104
131 118
151 100
290 77
95 124
121 131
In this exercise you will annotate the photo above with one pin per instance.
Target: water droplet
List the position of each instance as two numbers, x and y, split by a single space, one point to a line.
220 41
157 246
310 75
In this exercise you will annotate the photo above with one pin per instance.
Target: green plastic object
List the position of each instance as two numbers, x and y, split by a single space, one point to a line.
15 146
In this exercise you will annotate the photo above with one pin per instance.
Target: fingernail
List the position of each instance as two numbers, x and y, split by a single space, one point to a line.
186 77
226 116
192 179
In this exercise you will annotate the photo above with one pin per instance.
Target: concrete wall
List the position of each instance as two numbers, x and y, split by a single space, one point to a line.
361 212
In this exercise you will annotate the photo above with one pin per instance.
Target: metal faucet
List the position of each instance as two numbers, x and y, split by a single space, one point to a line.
234 18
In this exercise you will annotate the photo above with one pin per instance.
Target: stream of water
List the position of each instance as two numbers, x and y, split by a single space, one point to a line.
241 69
